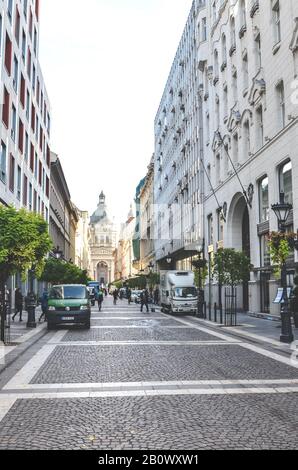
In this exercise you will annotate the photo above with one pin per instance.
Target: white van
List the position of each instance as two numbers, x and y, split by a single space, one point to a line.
178 292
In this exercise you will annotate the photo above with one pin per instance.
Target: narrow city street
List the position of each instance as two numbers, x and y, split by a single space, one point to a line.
149 381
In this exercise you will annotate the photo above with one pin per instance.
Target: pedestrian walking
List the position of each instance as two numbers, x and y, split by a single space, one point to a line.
156 296
129 296
115 295
44 305
145 300
100 299
18 304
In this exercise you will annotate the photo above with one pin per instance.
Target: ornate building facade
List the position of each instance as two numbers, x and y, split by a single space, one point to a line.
103 239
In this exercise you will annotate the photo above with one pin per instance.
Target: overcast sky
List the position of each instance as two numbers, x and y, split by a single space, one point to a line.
105 64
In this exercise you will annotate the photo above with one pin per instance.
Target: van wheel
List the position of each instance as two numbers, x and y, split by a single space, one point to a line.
88 325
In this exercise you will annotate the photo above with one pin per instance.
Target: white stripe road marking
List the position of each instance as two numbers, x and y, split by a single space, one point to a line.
259 350
26 374
5 405
146 343
58 336
126 318
265 339
181 383
206 330
137 327
9 400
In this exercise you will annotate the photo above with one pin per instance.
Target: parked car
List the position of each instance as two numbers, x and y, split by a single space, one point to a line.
92 295
136 296
68 305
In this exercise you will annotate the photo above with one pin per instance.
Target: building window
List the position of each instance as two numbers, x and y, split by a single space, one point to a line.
33 117
28 106
245 71
204 29
224 48
8 54
25 7
30 196
10 9
217 167
276 21
220 226
23 91
35 41
233 32
32 158
265 251
29 64
286 182
210 230
264 199
235 87
259 127
243 13
216 65
13 123
11 173
225 101
281 105
6 108
258 51
25 191
26 147
21 136
19 183
235 148
17 26
31 24
15 73
23 46
246 139
3 163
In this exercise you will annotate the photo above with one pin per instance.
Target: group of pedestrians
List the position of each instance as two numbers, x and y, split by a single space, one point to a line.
145 297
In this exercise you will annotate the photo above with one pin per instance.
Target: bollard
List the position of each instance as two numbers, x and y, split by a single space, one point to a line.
209 308
215 312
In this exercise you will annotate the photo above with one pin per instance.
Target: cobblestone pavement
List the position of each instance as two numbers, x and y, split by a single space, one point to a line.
149 381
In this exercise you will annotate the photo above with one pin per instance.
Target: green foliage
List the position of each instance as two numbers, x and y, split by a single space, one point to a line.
231 267
153 279
59 272
24 242
204 275
280 247
117 284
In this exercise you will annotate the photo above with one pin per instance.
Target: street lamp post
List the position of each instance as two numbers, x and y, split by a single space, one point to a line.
282 211
200 264
31 302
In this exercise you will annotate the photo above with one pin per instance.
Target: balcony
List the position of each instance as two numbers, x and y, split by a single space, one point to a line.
242 31
254 8
232 50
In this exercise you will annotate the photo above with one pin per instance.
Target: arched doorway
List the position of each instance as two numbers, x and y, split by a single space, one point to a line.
239 228
103 273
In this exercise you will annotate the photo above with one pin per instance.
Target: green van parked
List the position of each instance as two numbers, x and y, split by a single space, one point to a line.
68 305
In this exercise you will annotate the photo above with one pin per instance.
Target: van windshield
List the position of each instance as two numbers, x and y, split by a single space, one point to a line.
183 292
68 292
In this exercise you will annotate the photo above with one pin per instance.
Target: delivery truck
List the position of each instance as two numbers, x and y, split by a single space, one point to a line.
178 292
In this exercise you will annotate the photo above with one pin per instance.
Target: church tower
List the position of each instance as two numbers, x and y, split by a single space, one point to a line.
103 243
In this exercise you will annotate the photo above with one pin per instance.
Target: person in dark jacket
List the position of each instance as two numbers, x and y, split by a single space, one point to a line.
18 304
145 300
44 305
115 295
100 299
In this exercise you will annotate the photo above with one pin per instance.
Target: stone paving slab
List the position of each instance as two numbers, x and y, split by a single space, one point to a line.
157 423
138 334
133 363
135 322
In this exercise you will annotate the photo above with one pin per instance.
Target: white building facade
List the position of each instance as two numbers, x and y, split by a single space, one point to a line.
226 139
177 180
250 122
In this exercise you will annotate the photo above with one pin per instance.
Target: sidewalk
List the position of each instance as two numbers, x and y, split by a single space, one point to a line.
254 327
19 333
